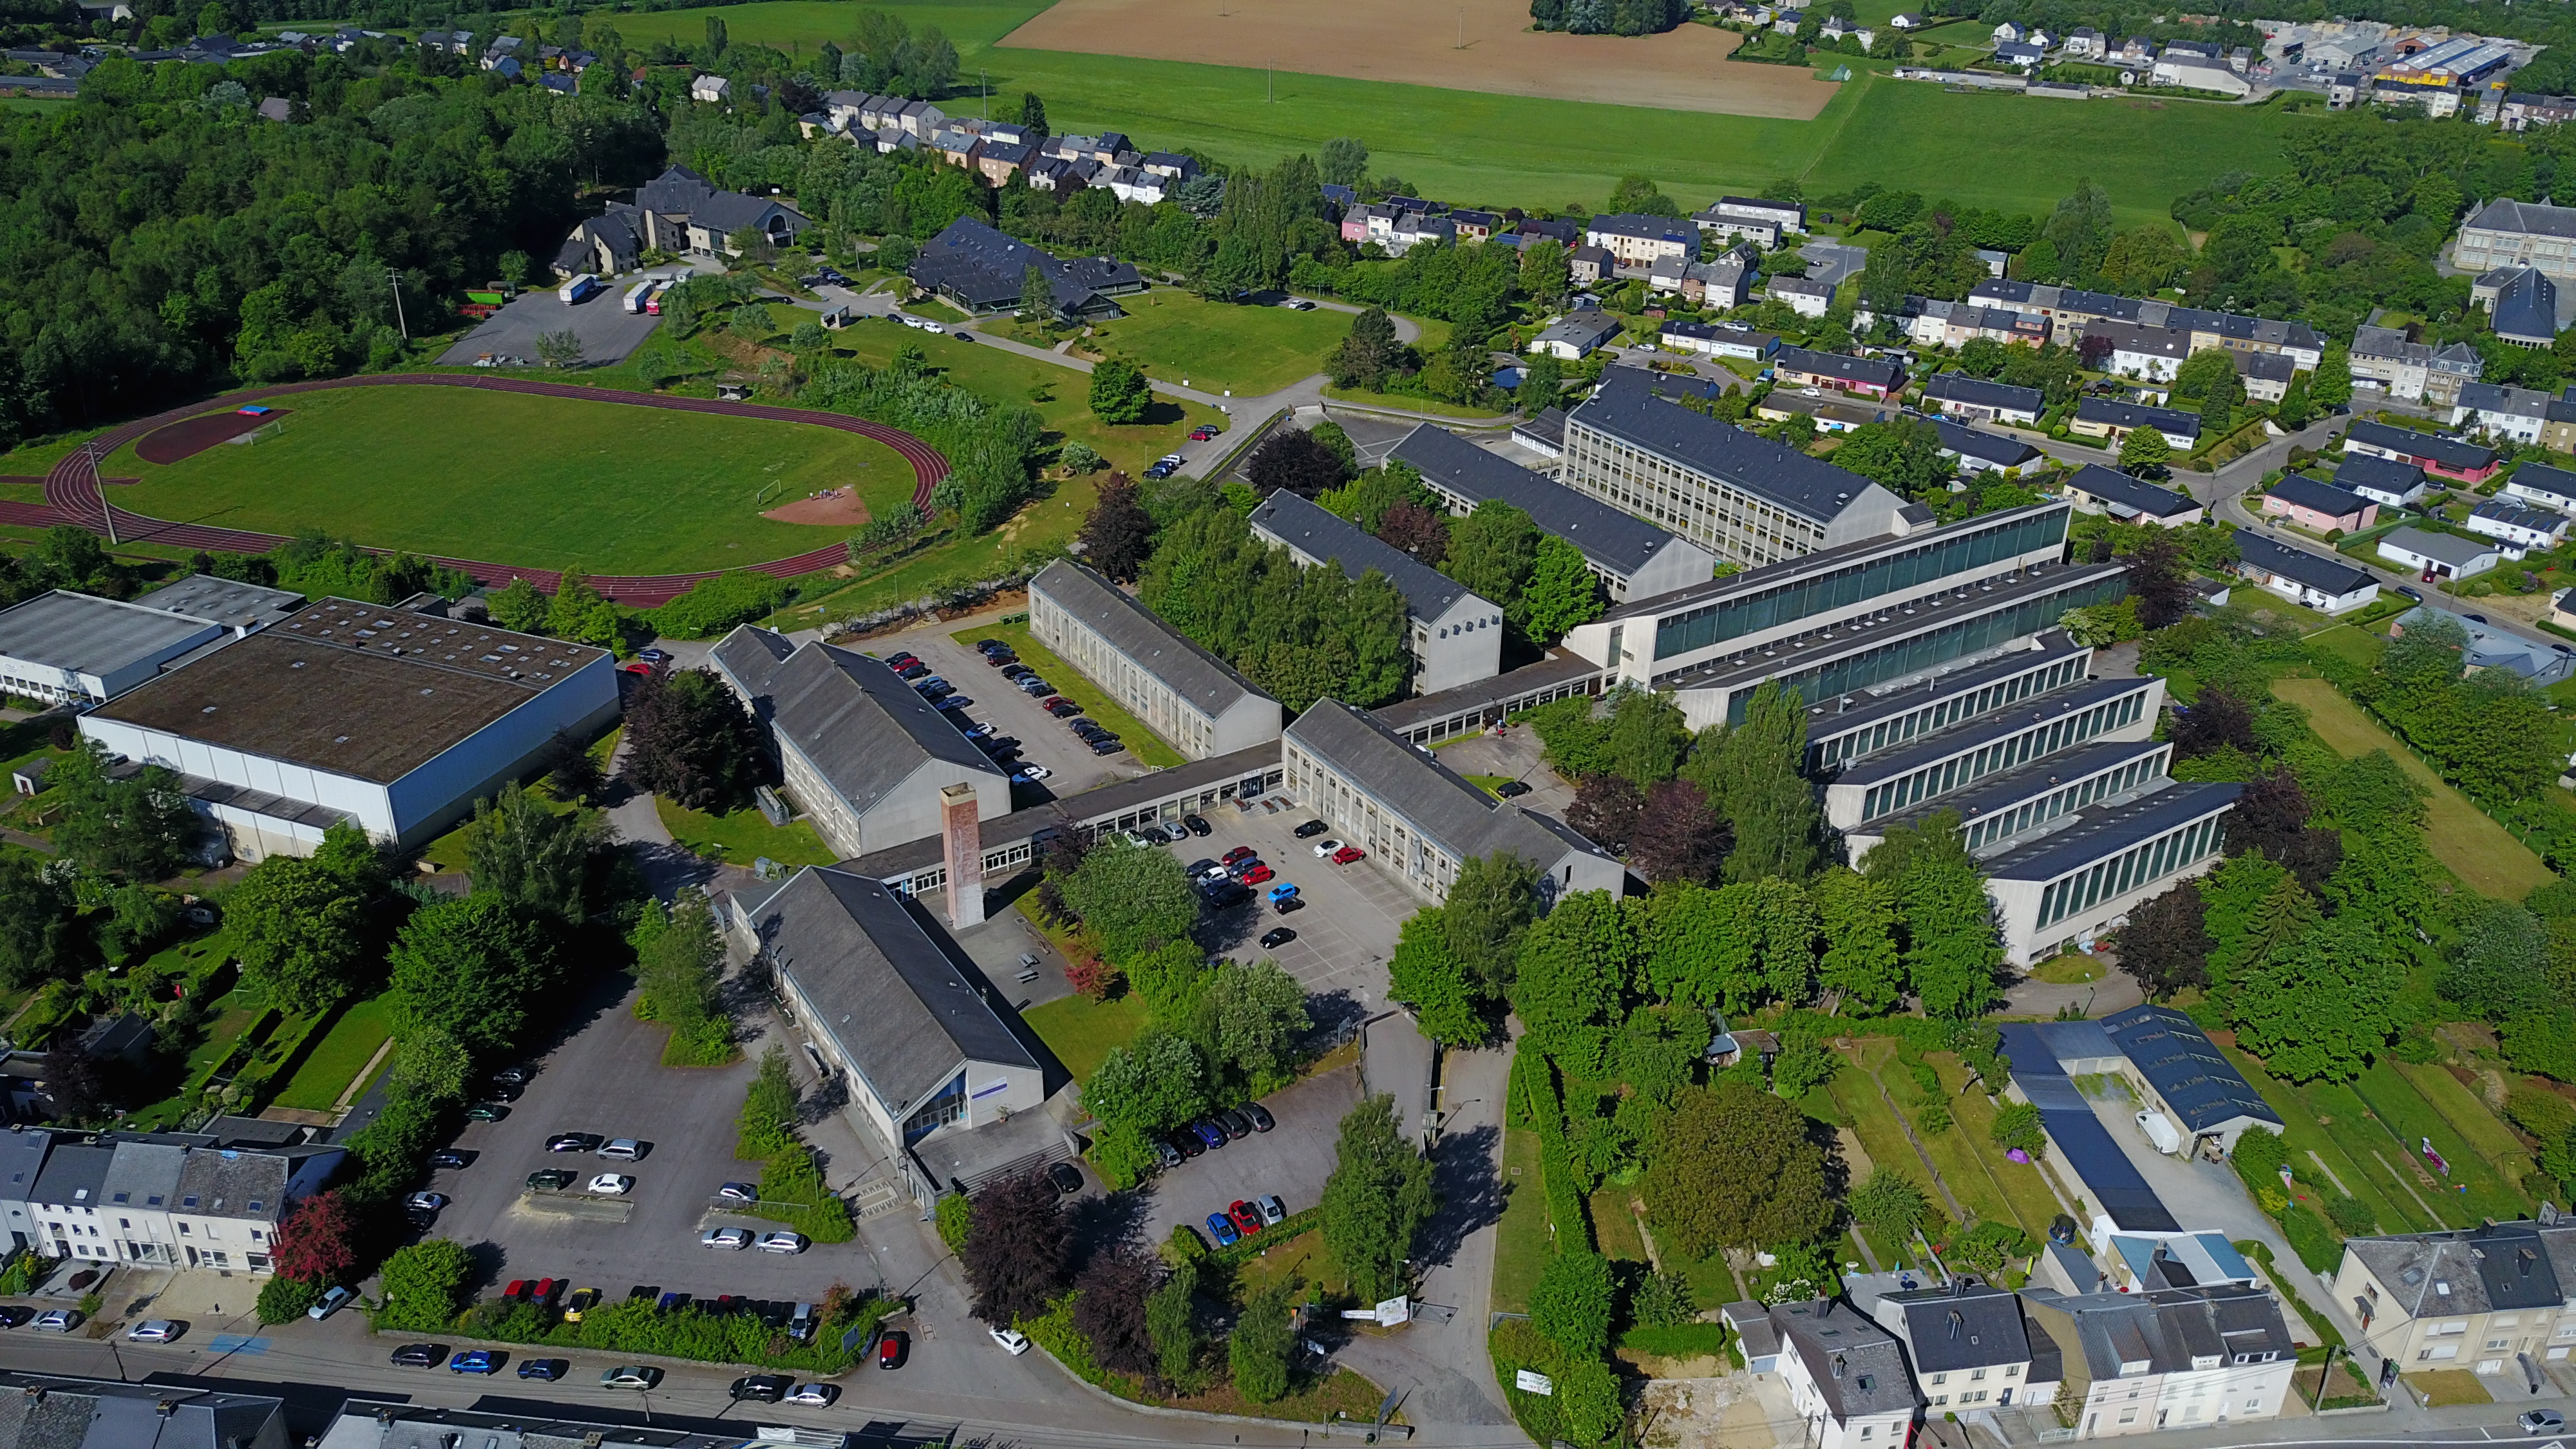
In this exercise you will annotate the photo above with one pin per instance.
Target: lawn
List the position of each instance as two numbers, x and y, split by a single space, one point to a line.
548 482
2444 1388
2033 1205
1213 346
1480 148
2364 1132
743 836
1095 701
1081 1031
2072 969
1521 1248
1404 403
2358 646
2482 853
332 1066
1614 1224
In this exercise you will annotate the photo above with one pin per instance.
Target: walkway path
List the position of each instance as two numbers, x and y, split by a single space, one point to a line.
73 494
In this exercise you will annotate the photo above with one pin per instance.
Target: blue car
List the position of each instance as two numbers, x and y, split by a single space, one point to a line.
954 701
1283 891
478 1361
1222 1230
548 1369
1209 1133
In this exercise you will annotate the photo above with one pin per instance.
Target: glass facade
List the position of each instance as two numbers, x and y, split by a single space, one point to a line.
1983 832
1857 583
1854 744
2013 750
2172 851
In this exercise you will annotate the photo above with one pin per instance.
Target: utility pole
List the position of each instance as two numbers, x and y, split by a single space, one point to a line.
107 511
1268 92
393 279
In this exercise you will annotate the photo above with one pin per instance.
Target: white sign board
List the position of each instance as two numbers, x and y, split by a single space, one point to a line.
1530 1383
1394 1311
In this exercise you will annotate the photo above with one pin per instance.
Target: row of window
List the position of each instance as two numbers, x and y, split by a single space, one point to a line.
1161 707
1896 571
1739 525
2037 742
2174 850
1941 714
2060 801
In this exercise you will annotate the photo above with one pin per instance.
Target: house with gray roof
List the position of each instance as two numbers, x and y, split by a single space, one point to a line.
859 751
1456 636
2506 232
232 1199
22 1161
2327 585
1980 400
1976 451
981 270
2439 555
1194 700
2542 486
47 1412
1631 557
681 211
889 1001
2097 489
2475 1298
2389 482
1421 819
2518 525
142 1184
1968 1347
2185 1079
2319 507
1577 334
1845 1374
66 1199
2166 1358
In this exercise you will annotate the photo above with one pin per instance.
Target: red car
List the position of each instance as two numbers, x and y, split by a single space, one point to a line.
890 1351
638 667
1347 854
1201 434
1247 1218
1240 852
900 657
518 1291
1256 875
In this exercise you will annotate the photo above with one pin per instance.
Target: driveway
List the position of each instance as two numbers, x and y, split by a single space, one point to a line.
608 332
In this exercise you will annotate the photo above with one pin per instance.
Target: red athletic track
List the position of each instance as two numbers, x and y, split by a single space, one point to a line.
72 488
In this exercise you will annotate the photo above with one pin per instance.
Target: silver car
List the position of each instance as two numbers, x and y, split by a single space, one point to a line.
782 1242
733 1238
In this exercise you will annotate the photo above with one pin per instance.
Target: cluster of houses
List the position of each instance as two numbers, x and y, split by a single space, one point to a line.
206 1199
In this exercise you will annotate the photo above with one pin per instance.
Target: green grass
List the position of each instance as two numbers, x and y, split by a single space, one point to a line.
2402 1109
1521 1248
1081 1031
1614 1224
1475 147
1179 336
2482 853
2345 642
1404 403
2072 969
2335 1124
1095 701
548 482
743 836
332 1065
2033 1205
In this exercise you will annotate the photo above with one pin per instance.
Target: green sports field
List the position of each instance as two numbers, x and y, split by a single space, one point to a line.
2005 151
545 482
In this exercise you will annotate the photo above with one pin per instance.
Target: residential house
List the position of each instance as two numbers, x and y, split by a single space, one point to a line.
2384 481
1979 400
1877 377
2154 354
1906 20
2167 1358
1129 183
2383 359
2327 585
2522 110
2520 414
982 271
2086 43
2010 33
2542 486
2097 489
1469 227
2439 555
1564 233
2070 311
2140 1261
1981 452
2021 55
709 90
680 211
2505 232
1799 295
2097 417
1591 264
2265 376
1716 221
1725 282
1576 334
2319 507
231 1201
2137 50
1636 241
1833 412
2437 455
1719 339
1845 1375
999 161
2521 528
2483 1298
2490 647
604 245
1969 1347
957 148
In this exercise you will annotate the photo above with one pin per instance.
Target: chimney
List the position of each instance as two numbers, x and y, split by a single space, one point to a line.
961 839
1838 1365
165 1408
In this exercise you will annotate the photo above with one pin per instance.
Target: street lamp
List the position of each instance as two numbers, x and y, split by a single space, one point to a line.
393 280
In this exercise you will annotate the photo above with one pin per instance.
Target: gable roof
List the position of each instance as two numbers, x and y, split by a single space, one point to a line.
2178 1059
678 190
1619 542
1995 448
865 731
1645 228
2515 514
1873 371
883 981
2137 415
2510 1265
2301 491
2451 453
1307 527
2326 575
983 266
1207 683
2119 489
2390 475
1959 387
1855 1364
2447 548
2536 218
1628 406
1431 797
1963 1326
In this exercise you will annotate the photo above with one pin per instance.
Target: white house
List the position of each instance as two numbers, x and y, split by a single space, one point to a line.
1845 1375
2439 555
2518 526
713 90
2327 585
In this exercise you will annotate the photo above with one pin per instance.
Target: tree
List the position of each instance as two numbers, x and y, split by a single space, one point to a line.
1259 1011
2322 1003
579 613
469 968
534 858
1606 811
1119 533
1756 780
1132 898
1368 354
573 776
1420 531
315 1242
518 606
1422 974
305 928
2499 967
2332 386
1171 1321
678 961
1646 738
82 1087
1732 1167
2165 944
1344 161
140 826
424 1286
1258 1349
1153 1084
1562 592
1891 1202
1017 1236
1292 459
1033 116
1120 393
2144 452
1576 966
1489 908
1542 377
1571 1305
1492 551
559 349
2159 580
688 737
38 941
1115 1289
1377 1199
1861 967
1677 837
1951 949
2016 1124
1587 1396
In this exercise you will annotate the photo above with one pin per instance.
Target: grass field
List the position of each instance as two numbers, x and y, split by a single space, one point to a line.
1073 683
1081 1031
1521 1248
335 1062
2483 854
2368 1133
1475 147
743 836
548 482
1213 346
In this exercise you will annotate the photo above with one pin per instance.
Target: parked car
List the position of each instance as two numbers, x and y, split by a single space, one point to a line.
582 1301
1283 890
155 1330
548 1369
821 1395
1108 746
420 1355
1030 774
1158 470
1276 937
2542 1421
1311 829
653 656
1060 707
450 1157
782 1241
902 657
1349 854
478 1361
631 1376
426 1202
519 1076
1273 1211
1236 1125
1326 847
1196 826
1221 1228
738 1191
332 1302
734 1238
614 1184
1033 686
762 1388
486 1112
1285 905
1246 1216
1201 433
954 701
504 1092
1512 789
551 1180
1187 1144
16 1315
574 1142
1257 875
1066 1177
622 1149
1240 852
1262 1121
1210 871
1209 1132
1164 1152
891 1349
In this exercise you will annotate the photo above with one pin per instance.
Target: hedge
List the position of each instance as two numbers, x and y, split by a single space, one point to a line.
2311 1239
1676 1340
1565 1210
633 1326
792 1192
1252 1246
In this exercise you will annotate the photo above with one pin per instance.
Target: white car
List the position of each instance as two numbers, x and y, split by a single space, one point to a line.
1010 1338
735 1238
820 1395
154 1330
615 1184
1324 848
782 1242
1034 772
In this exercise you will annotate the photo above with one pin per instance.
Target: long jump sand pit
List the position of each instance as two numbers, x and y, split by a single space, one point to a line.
1414 43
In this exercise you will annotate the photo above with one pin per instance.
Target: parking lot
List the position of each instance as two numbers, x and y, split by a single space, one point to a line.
1291 1160
1044 740
607 330
1345 931
604 1079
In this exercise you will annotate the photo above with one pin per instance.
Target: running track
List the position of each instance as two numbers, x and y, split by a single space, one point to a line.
72 488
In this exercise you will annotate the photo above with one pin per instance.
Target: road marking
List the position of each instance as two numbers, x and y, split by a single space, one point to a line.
236 1343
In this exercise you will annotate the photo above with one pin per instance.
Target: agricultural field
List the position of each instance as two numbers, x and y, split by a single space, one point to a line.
542 481
2365 1137
1483 147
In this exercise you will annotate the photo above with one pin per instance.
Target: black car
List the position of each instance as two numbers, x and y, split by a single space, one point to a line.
1189 1144
1066 1177
549 1369
1262 1121
574 1142
501 1091
1286 905
766 1388
1236 1125
1011 668
1109 746
1512 789
1276 936
450 1157
420 1355
996 661
13 1315
915 670
989 645
1195 824
999 743
1226 893
1311 829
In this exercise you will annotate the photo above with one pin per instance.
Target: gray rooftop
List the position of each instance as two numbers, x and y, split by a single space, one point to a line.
1960 387
144 1175
1619 542
1306 527
65 1413
73 1175
2101 831
2510 1265
2536 218
2326 575
864 729
883 982
2389 475
2165 1328
64 630
1856 1365
1626 407
224 601
2452 453
2448 548
2115 487
2303 492
1207 683
1435 800
2555 483
227 1182
1963 1326
22 1158
2515 514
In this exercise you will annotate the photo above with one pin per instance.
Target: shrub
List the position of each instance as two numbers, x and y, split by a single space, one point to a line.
283 1299
2016 1124
711 606
2309 1238
768 1121
952 1221
2352 1215
1676 1340
2541 1112
1092 977
424 1286
792 1191
1933 1120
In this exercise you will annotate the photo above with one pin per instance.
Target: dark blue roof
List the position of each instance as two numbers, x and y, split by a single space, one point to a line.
1979 392
2388 475
1613 539
2541 477
1993 448
1628 406
2107 830
2406 442
2137 415
2184 1066
2304 492
2115 487
2326 575
2109 1179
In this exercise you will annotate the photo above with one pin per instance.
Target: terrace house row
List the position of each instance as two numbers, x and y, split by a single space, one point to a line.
2070 312
208 1199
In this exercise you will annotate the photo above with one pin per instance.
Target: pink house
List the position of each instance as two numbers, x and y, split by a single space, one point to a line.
2319 507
